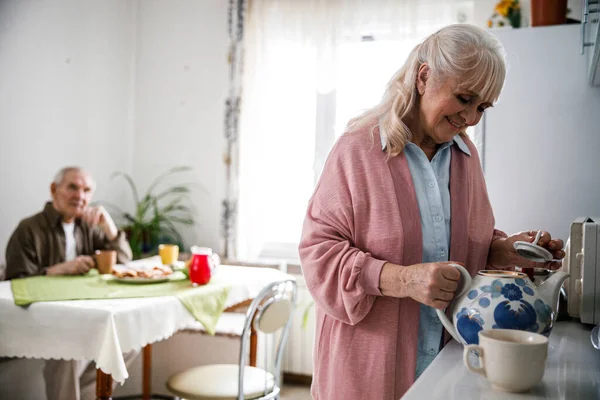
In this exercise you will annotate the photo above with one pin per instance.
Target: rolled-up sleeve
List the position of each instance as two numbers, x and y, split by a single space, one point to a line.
342 279
498 234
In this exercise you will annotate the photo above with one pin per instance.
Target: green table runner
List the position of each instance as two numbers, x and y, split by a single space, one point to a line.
206 303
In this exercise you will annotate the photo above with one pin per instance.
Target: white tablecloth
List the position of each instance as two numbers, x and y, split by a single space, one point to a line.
102 330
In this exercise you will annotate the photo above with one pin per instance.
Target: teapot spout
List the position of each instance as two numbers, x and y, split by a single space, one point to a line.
550 288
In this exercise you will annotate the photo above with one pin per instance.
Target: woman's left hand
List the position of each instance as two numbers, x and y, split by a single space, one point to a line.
503 254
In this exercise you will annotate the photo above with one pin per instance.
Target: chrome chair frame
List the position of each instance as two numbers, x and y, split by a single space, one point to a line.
252 317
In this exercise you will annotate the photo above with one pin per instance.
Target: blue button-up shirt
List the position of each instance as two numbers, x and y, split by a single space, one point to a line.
432 186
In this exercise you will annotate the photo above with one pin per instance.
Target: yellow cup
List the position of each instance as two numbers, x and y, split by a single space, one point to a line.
169 253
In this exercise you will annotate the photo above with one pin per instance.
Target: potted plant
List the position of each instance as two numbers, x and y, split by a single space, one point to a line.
544 12
506 11
157 214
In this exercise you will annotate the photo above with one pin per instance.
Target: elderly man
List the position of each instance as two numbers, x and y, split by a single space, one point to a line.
61 240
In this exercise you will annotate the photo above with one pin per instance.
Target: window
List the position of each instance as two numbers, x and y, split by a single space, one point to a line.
300 89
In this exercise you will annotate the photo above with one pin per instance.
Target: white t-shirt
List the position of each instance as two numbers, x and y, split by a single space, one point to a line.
71 247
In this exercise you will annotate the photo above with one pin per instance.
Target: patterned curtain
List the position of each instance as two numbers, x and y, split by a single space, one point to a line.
235 25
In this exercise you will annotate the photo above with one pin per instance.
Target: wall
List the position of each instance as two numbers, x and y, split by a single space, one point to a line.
65 83
543 136
181 86
112 85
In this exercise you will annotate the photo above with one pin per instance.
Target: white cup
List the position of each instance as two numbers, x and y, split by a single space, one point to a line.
511 360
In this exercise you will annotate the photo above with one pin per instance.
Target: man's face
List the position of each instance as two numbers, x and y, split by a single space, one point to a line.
72 195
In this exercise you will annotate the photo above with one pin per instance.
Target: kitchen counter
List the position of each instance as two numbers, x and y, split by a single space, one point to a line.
572 372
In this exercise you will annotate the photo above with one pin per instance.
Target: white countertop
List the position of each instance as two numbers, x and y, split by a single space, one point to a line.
572 372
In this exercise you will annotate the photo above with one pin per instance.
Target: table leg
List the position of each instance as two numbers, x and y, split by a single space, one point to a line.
253 334
253 345
147 373
103 385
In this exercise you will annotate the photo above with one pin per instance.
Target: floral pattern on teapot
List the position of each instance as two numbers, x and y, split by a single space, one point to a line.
517 309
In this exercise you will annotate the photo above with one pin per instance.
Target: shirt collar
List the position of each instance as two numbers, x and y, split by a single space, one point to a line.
457 139
462 145
54 216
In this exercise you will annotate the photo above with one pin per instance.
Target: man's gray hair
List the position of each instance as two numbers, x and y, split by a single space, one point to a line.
60 175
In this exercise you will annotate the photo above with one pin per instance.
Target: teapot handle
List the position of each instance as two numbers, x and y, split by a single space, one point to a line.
466 284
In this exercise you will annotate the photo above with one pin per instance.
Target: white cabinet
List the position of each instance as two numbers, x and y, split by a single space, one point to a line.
590 39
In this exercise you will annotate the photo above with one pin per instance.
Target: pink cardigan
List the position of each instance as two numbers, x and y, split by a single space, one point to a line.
364 213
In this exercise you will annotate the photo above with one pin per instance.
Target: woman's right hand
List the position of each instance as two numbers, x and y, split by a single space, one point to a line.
432 284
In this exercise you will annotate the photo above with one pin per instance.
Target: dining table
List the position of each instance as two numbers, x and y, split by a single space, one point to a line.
103 329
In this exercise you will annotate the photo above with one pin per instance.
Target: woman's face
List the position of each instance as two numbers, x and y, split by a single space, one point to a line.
445 109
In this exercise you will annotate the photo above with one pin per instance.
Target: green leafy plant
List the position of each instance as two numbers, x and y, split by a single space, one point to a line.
158 213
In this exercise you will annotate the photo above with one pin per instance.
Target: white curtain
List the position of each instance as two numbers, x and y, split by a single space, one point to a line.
309 67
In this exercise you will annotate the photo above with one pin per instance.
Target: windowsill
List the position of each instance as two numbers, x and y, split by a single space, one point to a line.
290 267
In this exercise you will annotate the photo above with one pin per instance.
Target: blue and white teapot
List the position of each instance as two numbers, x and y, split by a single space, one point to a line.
502 300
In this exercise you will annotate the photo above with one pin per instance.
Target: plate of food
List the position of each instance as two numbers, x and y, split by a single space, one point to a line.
138 280
148 270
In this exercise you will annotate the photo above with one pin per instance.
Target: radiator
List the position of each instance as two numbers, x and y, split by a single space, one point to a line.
298 355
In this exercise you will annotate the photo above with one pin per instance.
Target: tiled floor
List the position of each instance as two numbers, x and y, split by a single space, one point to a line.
295 392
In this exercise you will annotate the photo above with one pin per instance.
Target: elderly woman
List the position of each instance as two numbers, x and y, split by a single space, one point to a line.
401 195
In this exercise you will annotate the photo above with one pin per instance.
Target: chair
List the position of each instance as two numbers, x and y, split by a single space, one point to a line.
270 313
230 325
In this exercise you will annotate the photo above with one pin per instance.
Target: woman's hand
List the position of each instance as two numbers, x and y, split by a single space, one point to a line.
503 254
433 284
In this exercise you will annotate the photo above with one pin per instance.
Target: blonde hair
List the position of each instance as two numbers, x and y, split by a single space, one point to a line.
461 51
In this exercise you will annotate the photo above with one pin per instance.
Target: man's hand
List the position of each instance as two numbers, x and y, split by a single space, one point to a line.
99 216
80 265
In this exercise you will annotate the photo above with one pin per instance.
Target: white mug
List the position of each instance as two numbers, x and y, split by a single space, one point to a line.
511 360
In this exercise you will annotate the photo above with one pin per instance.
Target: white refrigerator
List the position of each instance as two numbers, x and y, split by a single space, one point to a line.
541 141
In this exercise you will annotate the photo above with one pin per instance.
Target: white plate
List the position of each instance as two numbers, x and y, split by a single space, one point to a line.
129 279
